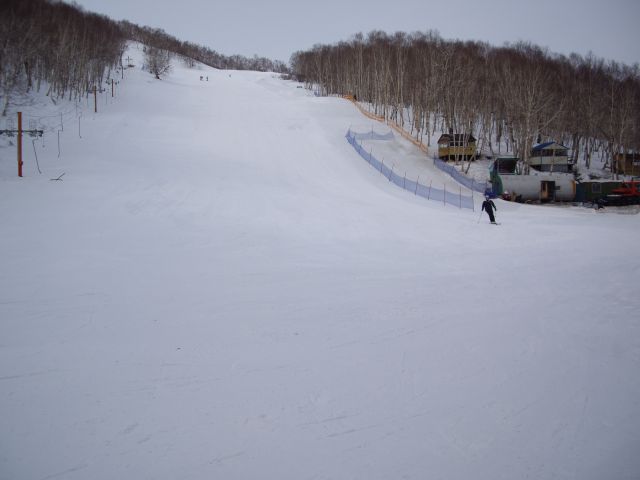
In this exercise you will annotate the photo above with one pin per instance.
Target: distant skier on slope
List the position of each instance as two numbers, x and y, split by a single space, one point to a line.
488 206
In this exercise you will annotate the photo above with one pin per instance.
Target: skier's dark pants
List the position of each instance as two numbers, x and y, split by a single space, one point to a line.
490 213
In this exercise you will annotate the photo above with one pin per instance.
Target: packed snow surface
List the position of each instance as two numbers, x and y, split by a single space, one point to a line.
219 287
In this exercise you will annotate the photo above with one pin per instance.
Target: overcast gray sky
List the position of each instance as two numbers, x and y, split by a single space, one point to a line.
277 28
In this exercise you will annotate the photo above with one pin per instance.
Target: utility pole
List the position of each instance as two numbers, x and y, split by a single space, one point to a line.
11 132
20 144
95 91
113 86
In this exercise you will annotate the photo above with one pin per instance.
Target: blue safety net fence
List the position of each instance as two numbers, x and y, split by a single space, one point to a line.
429 192
470 183
373 135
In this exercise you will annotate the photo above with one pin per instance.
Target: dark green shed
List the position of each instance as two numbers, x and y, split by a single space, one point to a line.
592 191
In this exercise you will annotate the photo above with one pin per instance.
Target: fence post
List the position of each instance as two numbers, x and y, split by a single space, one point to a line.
417 181
19 144
404 182
381 165
391 174
429 195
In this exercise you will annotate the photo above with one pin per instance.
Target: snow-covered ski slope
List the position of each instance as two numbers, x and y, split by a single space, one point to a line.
221 288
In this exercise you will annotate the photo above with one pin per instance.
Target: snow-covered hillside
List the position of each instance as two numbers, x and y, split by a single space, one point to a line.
219 287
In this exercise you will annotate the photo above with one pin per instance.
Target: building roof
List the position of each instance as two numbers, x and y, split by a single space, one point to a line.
456 137
548 146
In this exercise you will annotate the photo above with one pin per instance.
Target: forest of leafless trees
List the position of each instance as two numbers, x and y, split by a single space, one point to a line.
191 52
507 97
518 94
68 50
55 44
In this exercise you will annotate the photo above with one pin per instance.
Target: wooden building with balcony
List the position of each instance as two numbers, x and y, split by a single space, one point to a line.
457 146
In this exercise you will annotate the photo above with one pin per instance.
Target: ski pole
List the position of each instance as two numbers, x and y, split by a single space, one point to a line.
480 216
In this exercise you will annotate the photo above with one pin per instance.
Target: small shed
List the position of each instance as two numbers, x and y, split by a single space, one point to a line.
550 157
536 187
627 163
593 190
506 165
457 146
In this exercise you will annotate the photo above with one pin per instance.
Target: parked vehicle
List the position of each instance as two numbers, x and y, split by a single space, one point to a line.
627 194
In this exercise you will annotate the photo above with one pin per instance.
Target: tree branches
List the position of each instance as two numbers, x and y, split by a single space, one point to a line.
158 61
57 43
71 50
521 92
